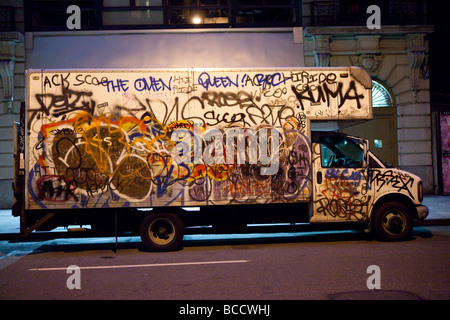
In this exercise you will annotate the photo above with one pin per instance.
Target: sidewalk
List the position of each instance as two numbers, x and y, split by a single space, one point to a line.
439 207
439 214
439 210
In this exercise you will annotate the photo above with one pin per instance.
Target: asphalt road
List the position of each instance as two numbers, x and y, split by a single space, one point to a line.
326 265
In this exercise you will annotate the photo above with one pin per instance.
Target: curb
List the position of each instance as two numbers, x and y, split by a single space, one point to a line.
432 222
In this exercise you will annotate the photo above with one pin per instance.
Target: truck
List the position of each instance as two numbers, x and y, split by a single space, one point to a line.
157 152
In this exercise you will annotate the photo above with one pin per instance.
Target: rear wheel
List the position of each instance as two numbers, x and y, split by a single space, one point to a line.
393 221
162 231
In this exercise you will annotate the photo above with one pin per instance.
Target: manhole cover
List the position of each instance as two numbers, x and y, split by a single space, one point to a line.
375 295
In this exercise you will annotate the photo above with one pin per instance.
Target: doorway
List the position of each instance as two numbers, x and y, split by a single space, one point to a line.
381 131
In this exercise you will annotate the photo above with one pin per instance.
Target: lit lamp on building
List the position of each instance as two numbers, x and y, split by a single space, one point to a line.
197 20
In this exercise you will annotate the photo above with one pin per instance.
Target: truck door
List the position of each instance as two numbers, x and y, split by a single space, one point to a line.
340 188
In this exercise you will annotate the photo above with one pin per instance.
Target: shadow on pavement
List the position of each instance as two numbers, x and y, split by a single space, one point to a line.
70 242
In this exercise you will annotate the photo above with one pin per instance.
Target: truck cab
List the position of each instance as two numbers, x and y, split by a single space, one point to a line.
351 183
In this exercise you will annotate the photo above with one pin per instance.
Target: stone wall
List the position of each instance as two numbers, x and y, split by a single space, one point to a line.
12 94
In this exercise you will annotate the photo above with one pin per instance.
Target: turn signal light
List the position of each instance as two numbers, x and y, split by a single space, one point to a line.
420 191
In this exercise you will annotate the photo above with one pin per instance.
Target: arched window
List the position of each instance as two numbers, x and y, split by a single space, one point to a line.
381 97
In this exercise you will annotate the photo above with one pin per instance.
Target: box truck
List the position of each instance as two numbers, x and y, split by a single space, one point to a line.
157 151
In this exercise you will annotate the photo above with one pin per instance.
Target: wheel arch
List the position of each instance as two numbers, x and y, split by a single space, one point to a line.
395 197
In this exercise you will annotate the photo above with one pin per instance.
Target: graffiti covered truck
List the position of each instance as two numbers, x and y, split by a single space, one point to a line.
156 151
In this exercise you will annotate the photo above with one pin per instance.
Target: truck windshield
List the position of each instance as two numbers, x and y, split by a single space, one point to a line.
340 152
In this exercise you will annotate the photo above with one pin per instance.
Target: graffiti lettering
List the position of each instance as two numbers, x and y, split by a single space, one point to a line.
88 79
124 158
205 80
58 105
265 80
118 85
401 182
325 94
152 84
344 208
58 80
309 78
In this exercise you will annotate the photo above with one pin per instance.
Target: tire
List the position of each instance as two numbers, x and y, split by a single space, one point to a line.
162 232
392 221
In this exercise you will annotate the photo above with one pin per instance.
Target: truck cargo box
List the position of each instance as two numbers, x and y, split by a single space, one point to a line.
185 137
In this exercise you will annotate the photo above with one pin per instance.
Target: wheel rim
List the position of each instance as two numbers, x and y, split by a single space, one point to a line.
161 231
394 222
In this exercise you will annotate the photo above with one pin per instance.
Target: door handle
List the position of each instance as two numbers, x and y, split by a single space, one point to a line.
319 177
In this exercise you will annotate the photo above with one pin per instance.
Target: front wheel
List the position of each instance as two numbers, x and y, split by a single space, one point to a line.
392 221
162 232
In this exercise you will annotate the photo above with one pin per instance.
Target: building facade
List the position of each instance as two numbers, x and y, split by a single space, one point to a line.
395 57
223 34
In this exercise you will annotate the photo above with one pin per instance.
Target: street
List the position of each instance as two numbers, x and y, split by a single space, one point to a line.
279 266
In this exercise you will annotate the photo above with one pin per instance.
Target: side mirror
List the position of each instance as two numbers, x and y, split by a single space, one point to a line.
366 153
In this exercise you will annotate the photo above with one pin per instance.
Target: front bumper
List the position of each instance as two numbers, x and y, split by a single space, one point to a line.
422 212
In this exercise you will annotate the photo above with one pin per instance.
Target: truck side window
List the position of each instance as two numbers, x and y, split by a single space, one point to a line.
340 152
373 163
